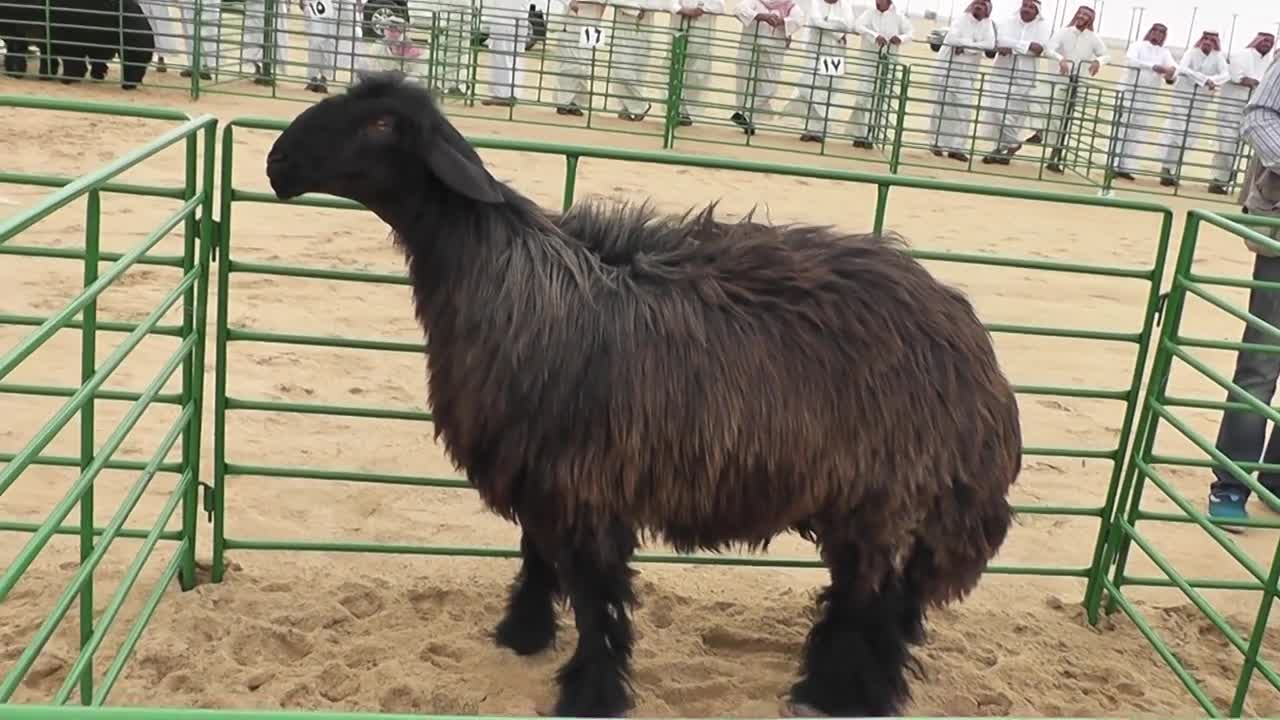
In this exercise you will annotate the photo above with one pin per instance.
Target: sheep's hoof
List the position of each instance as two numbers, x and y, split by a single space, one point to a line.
526 635
800 709
129 86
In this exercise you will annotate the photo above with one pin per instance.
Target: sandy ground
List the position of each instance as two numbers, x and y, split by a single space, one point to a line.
410 633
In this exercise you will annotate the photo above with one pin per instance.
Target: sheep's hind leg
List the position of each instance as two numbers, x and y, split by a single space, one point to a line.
857 654
595 682
529 625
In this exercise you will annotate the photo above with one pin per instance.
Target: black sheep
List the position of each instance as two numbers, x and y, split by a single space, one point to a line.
706 384
92 30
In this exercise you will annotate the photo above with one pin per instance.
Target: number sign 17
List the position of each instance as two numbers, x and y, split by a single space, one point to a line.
590 37
831 65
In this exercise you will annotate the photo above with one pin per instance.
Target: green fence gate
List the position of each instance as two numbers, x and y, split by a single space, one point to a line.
1174 350
87 396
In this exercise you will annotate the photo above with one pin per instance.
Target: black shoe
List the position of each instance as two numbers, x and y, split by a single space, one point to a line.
570 109
1217 188
262 75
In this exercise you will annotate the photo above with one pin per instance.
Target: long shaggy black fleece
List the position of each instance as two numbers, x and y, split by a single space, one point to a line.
613 373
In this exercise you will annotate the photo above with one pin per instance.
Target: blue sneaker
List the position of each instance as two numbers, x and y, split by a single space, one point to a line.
1227 505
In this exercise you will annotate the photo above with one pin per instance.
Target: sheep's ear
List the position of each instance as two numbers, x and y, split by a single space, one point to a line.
455 163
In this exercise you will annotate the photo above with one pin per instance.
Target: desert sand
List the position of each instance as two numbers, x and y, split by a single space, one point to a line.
404 633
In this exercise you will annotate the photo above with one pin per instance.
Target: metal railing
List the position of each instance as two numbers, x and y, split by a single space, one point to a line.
98 453
1198 454
1117 509
228 402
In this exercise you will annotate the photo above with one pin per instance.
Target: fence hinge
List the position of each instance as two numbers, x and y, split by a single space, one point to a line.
1161 300
206 499
217 236
217 233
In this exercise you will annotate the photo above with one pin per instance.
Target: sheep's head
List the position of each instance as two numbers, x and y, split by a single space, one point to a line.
384 140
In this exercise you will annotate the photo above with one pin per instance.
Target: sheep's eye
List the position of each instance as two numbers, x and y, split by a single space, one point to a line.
381 126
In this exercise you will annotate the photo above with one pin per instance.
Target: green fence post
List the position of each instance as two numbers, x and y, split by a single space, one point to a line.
675 86
190 440
220 360
88 366
197 52
570 179
895 157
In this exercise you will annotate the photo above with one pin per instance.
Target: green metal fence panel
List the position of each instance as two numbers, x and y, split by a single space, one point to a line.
229 403
101 271
1180 346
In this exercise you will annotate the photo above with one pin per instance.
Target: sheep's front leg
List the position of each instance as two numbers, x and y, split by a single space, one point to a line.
529 626
595 682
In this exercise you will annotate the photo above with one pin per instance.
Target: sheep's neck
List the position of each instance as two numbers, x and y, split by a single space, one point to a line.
481 268
492 291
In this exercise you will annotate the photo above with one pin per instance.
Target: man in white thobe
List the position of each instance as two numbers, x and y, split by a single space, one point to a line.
1151 65
767 29
828 24
1248 66
1201 72
697 18
331 27
1021 41
629 61
507 22
165 30
883 30
570 22
1081 51
210 28
256 42
970 34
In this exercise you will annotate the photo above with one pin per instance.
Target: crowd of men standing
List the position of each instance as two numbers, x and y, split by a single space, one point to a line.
1175 103
1029 92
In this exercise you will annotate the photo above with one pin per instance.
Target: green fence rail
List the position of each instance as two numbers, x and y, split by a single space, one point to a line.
84 400
1174 349
227 401
66 713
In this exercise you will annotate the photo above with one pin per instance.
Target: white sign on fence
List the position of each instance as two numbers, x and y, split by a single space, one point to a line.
318 8
590 37
830 65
